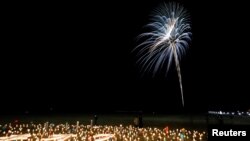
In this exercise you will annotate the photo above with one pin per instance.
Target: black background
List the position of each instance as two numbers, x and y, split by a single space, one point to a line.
76 57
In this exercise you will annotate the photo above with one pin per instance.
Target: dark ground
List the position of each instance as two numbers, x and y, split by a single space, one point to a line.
198 122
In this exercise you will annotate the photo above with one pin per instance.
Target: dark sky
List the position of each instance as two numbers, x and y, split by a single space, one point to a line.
76 57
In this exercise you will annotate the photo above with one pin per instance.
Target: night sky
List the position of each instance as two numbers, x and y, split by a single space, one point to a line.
77 57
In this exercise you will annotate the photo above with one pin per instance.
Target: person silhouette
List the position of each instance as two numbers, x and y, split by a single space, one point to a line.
95 119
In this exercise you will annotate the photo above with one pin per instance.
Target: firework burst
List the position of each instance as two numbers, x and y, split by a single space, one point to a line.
167 40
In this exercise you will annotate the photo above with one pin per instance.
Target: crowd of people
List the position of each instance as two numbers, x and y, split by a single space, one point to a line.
87 132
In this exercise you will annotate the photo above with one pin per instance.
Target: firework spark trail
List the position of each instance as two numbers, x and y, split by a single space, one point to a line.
179 75
167 40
